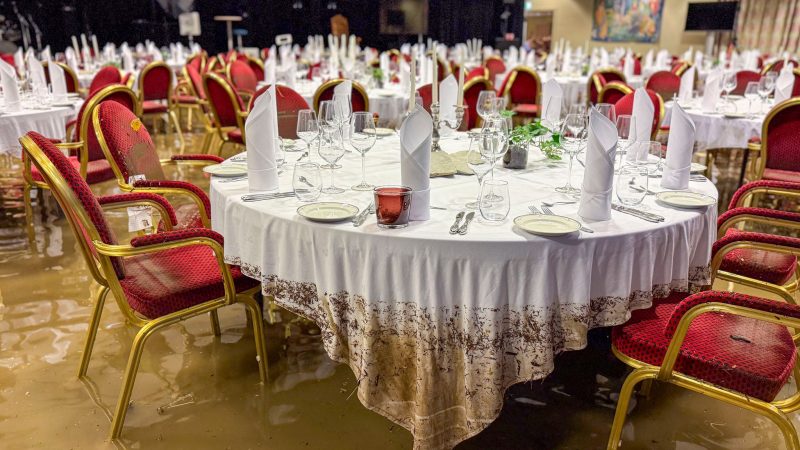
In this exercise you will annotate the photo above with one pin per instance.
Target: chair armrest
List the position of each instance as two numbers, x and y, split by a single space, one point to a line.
129 199
179 188
173 236
775 217
785 188
769 242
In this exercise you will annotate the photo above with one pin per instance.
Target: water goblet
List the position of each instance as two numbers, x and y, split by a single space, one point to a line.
480 165
307 181
307 127
751 93
494 201
572 133
483 106
608 110
626 134
362 139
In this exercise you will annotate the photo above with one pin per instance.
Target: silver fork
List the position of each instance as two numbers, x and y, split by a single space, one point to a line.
549 212
570 202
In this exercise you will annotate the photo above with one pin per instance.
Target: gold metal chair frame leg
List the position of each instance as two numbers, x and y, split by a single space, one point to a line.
29 225
91 334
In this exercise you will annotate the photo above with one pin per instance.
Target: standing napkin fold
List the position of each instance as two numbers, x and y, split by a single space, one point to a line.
687 85
57 82
415 161
10 89
711 92
643 112
680 146
629 66
552 96
598 180
38 79
448 96
784 85
344 88
261 131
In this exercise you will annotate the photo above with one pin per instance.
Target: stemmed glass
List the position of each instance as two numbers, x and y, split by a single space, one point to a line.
328 123
343 112
362 138
572 143
728 85
307 127
751 93
765 86
608 110
498 106
332 154
494 140
480 165
485 104
554 123
626 132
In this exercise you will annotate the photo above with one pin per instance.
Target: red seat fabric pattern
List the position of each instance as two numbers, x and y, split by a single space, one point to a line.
222 102
96 171
157 284
748 356
742 78
775 268
783 145
156 82
664 83
243 77
782 175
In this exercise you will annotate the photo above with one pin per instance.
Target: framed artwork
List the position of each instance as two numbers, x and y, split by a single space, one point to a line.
627 20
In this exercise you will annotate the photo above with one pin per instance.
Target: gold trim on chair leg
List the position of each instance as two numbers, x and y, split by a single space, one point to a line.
178 130
635 377
30 227
91 334
258 331
215 323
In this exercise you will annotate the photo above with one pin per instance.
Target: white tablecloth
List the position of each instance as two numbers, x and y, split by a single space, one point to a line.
50 122
437 326
715 130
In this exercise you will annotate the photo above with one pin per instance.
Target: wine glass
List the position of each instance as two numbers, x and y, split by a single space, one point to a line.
480 165
572 143
608 110
362 138
280 153
729 83
332 153
307 181
343 113
626 132
498 106
578 108
632 185
765 86
549 116
307 127
751 93
328 123
494 140
484 105
494 200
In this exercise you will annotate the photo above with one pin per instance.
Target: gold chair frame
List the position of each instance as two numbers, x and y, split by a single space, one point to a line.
241 116
330 84
103 273
613 86
171 103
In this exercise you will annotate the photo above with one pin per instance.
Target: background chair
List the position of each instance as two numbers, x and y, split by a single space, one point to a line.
482 72
778 155
522 89
104 77
289 103
472 90
613 91
358 98
155 95
625 106
666 84
71 78
742 78
227 109
599 79
495 65
242 77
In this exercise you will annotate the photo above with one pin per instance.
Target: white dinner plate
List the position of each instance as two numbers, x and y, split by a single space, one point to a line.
697 168
226 170
685 199
58 104
733 115
328 212
382 131
547 225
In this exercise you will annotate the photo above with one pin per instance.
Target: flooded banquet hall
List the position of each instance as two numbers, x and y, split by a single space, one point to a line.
400 224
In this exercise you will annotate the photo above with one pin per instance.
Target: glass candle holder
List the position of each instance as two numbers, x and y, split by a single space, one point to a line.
392 206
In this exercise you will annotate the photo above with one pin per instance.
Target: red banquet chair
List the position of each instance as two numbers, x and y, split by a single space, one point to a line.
778 153
359 98
157 280
472 90
777 66
599 79
742 78
426 93
130 151
624 106
257 66
155 95
613 92
680 66
482 72
242 77
522 89
227 109
495 65
637 65
104 77
71 78
289 103
666 84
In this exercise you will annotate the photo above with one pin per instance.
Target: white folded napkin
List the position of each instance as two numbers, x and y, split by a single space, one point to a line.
680 146
72 59
550 65
648 60
784 85
448 96
341 89
95 46
711 91
687 85
75 47
38 79
698 59
57 82
10 88
47 54
643 112
127 61
598 179
261 132
19 62
415 161
628 69
552 97
566 63
270 70
604 58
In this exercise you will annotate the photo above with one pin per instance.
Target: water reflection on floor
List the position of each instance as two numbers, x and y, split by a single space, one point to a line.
194 390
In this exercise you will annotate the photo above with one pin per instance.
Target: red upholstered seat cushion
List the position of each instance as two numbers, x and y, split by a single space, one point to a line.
152 107
751 357
96 171
161 283
776 268
236 136
526 109
781 175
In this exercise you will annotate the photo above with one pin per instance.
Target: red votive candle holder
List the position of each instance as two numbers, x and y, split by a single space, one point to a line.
392 206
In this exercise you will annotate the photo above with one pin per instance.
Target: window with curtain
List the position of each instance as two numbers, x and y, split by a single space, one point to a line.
773 26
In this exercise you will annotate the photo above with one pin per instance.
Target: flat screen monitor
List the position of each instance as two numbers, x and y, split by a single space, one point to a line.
711 16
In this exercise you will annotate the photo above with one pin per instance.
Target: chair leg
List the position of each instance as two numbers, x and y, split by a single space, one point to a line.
215 323
130 376
258 331
189 115
784 424
625 395
94 324
177 129
30 228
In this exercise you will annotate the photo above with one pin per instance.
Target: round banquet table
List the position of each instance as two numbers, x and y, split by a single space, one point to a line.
714 130
437 326
50 121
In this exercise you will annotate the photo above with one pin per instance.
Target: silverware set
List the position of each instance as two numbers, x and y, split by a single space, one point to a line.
260 197
460 227
361 217
644 215
548 211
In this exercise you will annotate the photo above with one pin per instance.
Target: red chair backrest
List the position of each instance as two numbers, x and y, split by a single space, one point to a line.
289 102
471 92
128 142
9 58
796 88
742 78
426 92
666 84
599 79
257 68
478 72
442 69
637 65
125 98
495 66
105 76
358 97
624 106
196 61
613 91
522 86
778 65
155 81
242 76
783 137
196 80
223 99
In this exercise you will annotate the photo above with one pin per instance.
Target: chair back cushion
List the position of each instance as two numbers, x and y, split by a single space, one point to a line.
155 82
124 98
522 86
495 66
664 83
471 92
358 97
242 76
257 68
613 91
196 80
783 139
105 76
289 102
127 142
224 100
477 72
426 92
742 78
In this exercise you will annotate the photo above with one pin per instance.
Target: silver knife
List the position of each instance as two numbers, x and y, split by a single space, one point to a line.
454 227
462 230
640 214
362 216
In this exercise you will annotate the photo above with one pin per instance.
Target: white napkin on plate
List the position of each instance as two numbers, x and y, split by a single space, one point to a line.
643 112
261 131
687 85
10 88
784 85
415 161
552 96
57 82
711 92
38 78
598 180
680 146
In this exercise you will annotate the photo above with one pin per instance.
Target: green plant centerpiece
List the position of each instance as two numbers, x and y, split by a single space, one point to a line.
377 75
521 137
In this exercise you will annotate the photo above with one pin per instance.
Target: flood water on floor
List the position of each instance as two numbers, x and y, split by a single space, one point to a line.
195 390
